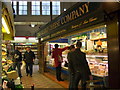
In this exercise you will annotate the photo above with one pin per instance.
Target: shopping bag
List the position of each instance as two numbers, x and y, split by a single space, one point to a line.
60 58
23 65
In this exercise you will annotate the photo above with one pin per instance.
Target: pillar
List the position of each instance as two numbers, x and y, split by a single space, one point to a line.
41 56
0 43
113 31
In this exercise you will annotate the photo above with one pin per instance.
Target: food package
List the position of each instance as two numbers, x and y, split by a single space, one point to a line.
12 75
6 67
17 81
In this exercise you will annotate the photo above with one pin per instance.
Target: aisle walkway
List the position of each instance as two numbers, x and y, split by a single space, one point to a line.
39 80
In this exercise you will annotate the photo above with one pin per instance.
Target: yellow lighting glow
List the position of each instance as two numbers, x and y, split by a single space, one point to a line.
5 28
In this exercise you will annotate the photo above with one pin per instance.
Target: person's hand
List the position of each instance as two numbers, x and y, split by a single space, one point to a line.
91 77
33 60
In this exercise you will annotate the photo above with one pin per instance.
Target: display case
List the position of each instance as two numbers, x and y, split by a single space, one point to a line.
98 64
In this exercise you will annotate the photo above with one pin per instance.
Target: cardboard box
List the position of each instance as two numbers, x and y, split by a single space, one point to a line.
12 75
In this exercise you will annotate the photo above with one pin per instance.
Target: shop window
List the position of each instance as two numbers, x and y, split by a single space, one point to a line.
15 7
22 7
56 7
35 7
45 7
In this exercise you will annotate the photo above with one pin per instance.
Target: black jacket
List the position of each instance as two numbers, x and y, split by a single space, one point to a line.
78 63
28 57
17 56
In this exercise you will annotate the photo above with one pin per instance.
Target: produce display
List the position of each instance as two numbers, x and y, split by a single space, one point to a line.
9 75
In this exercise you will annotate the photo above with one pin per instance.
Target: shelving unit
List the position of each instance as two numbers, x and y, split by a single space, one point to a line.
97 39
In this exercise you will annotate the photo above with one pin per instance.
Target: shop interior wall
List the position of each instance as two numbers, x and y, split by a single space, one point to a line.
23 30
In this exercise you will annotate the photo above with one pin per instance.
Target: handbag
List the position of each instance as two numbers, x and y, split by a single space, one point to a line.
60 58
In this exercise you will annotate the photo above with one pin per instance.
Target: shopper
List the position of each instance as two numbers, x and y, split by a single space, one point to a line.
57 55
17 60
79 67
29 57
70 68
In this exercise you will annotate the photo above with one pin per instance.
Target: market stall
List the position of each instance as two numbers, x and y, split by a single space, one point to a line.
90 23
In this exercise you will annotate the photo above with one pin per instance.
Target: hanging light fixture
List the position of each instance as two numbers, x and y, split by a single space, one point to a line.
32 25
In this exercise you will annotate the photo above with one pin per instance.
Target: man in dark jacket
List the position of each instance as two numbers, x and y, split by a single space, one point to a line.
78 66
29 57
17 61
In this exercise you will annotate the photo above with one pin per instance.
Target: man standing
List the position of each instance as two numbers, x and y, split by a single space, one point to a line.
17 60
57 55
79 67
70 68
29 57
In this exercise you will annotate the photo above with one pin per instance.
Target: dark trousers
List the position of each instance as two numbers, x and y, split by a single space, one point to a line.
29 68
77 78
58 72
71 79
18 65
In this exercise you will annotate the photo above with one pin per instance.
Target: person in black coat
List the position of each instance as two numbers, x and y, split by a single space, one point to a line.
17 60
29 57
79 68
71 75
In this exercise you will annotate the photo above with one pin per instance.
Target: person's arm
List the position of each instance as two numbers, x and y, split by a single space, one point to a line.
20 56
53 55
24 58
70 64
86 65
65 48
33 55
87 68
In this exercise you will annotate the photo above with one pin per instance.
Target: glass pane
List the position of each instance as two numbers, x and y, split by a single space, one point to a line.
20 8
54 12
37 8
37 13
24 7
24 12
45 2
33 7
35 2
48 12
24 2
54 8
20 12
55 2
14 3
33 12
43 12
14 7
20 2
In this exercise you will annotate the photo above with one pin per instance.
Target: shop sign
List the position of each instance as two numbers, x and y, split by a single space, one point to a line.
77 16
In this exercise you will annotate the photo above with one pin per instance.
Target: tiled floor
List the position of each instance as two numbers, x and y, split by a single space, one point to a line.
39 80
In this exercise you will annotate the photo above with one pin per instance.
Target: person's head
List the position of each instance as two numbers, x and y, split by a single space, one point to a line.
56 45
79 44
72 48
28 49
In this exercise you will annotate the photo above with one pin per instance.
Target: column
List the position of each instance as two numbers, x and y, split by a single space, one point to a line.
113 31
0 43
41 56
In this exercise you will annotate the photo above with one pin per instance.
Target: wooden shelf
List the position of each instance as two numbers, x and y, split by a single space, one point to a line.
97 39
25 45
